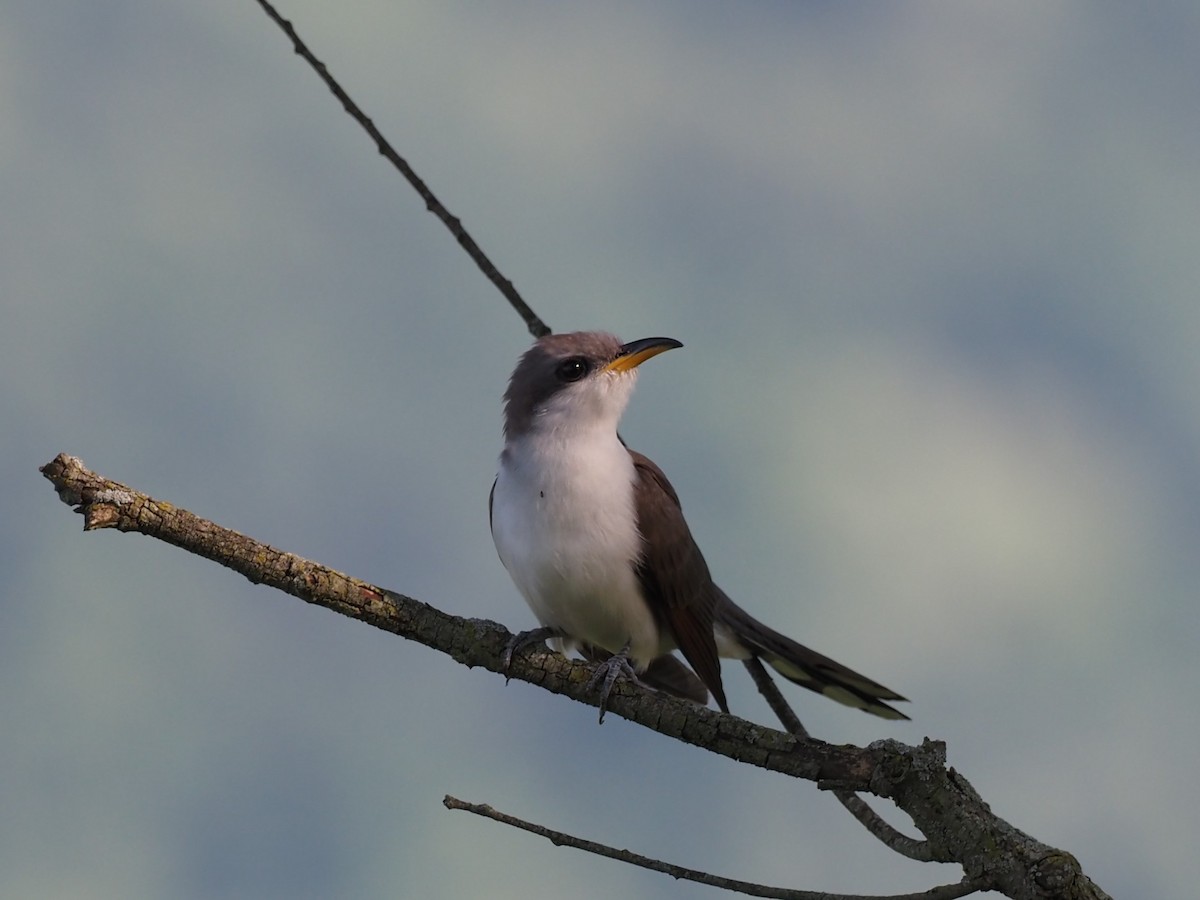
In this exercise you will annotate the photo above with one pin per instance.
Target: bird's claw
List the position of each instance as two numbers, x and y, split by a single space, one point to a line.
521 641
609 671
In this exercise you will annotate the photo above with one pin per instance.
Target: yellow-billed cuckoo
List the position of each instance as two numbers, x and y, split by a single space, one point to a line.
593 536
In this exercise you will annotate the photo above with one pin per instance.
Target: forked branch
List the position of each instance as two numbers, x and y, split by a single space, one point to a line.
956 822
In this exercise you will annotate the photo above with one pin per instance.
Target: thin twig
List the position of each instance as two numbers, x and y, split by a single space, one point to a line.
922 851
536 326
561 839
770 691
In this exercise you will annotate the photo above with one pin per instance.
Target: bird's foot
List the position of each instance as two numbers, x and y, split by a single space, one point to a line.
523 640
608 672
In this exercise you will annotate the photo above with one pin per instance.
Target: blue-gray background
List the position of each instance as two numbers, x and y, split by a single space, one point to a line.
936 270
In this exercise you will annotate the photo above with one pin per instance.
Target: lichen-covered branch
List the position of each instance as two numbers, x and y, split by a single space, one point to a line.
955 821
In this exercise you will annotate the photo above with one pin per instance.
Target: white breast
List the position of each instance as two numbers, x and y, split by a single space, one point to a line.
564 525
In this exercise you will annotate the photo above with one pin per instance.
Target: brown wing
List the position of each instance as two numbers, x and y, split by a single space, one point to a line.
674 576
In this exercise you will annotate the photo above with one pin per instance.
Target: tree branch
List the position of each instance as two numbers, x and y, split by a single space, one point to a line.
954 819
871 820
561 839
472 642
535 325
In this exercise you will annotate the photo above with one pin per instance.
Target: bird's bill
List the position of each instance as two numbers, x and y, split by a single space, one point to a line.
635 353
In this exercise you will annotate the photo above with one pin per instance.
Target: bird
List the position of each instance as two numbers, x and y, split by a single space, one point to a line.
593 535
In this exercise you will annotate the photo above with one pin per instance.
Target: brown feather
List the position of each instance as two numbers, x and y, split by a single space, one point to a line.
674 576
803 666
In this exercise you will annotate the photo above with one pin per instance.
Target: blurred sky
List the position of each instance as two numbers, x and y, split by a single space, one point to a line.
935 268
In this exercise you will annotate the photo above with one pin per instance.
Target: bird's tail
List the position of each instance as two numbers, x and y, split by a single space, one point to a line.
740 635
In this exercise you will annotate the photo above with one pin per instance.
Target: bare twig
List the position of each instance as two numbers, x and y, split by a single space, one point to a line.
561 839
535 325
770 691
922 851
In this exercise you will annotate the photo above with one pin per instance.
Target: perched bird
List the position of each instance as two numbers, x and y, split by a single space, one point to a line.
594 538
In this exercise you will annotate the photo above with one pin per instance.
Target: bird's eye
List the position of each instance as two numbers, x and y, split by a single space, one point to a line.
572 369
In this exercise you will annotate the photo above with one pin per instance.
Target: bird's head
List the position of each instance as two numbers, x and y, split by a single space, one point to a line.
575 382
